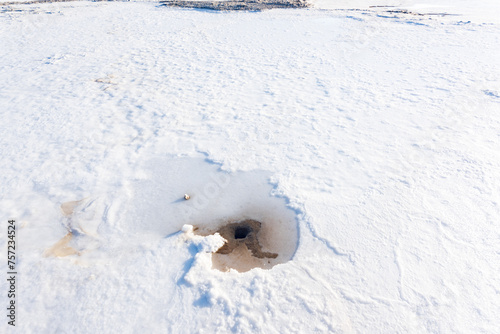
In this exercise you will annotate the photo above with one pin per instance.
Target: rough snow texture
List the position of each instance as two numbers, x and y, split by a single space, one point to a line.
477 11
378 133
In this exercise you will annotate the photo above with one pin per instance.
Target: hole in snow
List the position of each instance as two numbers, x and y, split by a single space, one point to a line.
244 233
241 232
251 244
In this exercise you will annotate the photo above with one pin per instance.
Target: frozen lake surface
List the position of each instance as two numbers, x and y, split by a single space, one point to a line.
364 139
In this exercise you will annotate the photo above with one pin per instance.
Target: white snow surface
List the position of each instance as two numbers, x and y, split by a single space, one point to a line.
477 11
374 136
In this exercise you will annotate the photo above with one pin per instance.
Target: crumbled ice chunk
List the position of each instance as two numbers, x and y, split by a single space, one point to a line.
187 228
208 244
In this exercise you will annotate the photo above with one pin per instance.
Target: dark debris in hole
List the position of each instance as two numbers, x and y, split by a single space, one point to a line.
243 233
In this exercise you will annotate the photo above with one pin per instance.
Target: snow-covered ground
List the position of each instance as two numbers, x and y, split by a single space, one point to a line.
368 140
477 11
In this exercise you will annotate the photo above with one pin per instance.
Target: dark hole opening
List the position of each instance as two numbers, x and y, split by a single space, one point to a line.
241 232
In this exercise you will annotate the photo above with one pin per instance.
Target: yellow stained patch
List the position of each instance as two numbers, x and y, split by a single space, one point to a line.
67 208
61 248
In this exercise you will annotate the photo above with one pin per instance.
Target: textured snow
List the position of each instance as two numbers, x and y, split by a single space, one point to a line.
478 11
372 136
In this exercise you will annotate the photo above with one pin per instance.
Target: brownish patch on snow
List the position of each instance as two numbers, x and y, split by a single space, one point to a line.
61 248
249 244
243 233
67 208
